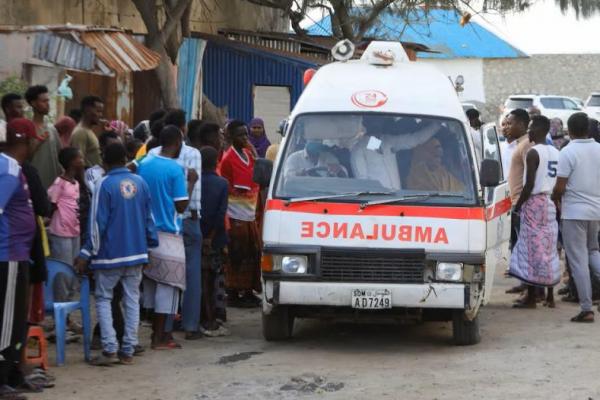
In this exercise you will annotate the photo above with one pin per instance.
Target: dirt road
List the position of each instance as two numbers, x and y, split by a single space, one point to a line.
524 354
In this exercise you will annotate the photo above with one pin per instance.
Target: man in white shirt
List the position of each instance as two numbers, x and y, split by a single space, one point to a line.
476 124
374 156
507 147
313 160
578 189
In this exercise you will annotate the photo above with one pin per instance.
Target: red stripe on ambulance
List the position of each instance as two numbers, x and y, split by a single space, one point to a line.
350 209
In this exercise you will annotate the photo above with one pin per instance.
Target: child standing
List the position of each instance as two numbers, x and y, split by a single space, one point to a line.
214 208
64 226
242 272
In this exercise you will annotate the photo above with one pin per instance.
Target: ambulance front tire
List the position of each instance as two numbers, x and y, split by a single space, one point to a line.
278 325
465 332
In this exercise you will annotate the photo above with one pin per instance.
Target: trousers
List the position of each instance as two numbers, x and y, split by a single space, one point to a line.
106 280
580 239
192 296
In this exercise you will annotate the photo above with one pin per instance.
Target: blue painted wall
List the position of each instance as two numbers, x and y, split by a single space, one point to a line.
186 75
229 73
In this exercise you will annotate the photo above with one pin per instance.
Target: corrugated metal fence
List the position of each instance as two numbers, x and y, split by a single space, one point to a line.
230 72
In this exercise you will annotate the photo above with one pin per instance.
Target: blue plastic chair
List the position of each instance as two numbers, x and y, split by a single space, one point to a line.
62 310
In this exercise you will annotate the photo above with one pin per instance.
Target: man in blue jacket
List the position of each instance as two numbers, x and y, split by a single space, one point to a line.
121 229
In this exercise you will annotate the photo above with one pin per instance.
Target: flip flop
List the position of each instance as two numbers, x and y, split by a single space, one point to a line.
166 346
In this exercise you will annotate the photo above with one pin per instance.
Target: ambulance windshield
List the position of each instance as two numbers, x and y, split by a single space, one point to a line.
331 154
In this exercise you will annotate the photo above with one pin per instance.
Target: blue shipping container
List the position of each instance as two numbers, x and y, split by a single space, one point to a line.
230 71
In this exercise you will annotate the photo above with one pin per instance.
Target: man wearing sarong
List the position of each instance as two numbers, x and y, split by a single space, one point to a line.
517 123
165 278
242 272
534 258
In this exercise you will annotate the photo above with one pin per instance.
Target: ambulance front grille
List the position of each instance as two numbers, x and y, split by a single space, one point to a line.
372 266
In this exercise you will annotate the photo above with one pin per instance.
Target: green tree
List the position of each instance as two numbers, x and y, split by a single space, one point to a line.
352 19
13 84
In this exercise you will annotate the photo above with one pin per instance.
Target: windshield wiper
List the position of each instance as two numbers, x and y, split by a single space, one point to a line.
337 196
421 196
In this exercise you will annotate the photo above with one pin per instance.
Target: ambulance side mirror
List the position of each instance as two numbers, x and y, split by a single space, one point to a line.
489 174
282 127
263 169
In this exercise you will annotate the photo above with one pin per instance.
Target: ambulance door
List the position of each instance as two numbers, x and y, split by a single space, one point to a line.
498 206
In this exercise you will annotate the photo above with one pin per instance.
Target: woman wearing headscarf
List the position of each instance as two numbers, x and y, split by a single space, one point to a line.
64 126
120 128
427 171
258 136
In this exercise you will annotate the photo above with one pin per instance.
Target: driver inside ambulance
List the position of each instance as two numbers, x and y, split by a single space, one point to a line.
427 171
314 160
374 156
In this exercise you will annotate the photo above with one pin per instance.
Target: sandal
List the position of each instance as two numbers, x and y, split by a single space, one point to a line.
171 345
8 393
584 317
29 386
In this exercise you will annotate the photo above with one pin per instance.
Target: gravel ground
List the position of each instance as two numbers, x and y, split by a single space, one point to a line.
530 354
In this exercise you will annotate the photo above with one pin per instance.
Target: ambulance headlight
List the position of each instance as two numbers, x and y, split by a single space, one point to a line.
291 264
449 272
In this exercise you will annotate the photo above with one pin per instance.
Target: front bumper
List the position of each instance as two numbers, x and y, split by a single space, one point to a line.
429 295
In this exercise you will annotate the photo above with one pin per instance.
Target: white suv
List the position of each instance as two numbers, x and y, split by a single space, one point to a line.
592 105
550 106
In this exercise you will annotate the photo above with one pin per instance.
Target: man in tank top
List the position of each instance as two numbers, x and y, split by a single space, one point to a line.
534 259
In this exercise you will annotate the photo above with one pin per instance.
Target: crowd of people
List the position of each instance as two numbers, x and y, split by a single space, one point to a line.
556 205
162 218
165 219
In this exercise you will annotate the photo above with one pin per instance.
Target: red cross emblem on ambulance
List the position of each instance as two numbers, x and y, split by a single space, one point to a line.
369 99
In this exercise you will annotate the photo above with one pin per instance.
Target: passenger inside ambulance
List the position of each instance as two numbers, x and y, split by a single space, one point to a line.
377 154
428 172
314 160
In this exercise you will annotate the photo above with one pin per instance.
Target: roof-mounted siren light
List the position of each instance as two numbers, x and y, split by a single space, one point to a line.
385 53
343 50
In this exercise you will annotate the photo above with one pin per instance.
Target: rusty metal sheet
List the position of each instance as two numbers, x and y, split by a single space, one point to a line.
120 51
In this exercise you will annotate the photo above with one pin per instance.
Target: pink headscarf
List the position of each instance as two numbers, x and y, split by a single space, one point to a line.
119 127
65 126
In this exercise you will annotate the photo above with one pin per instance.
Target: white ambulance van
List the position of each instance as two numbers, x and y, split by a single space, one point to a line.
376 206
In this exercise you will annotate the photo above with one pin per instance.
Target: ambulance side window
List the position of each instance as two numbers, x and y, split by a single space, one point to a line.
491 146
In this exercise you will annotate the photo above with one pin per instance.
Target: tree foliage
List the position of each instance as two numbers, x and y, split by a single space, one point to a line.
351 19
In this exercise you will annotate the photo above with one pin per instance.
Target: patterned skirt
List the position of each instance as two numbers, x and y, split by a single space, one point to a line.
167 261
534 259
242 269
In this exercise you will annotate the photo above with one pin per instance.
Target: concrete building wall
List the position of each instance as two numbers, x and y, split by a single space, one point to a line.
207 16
575 75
